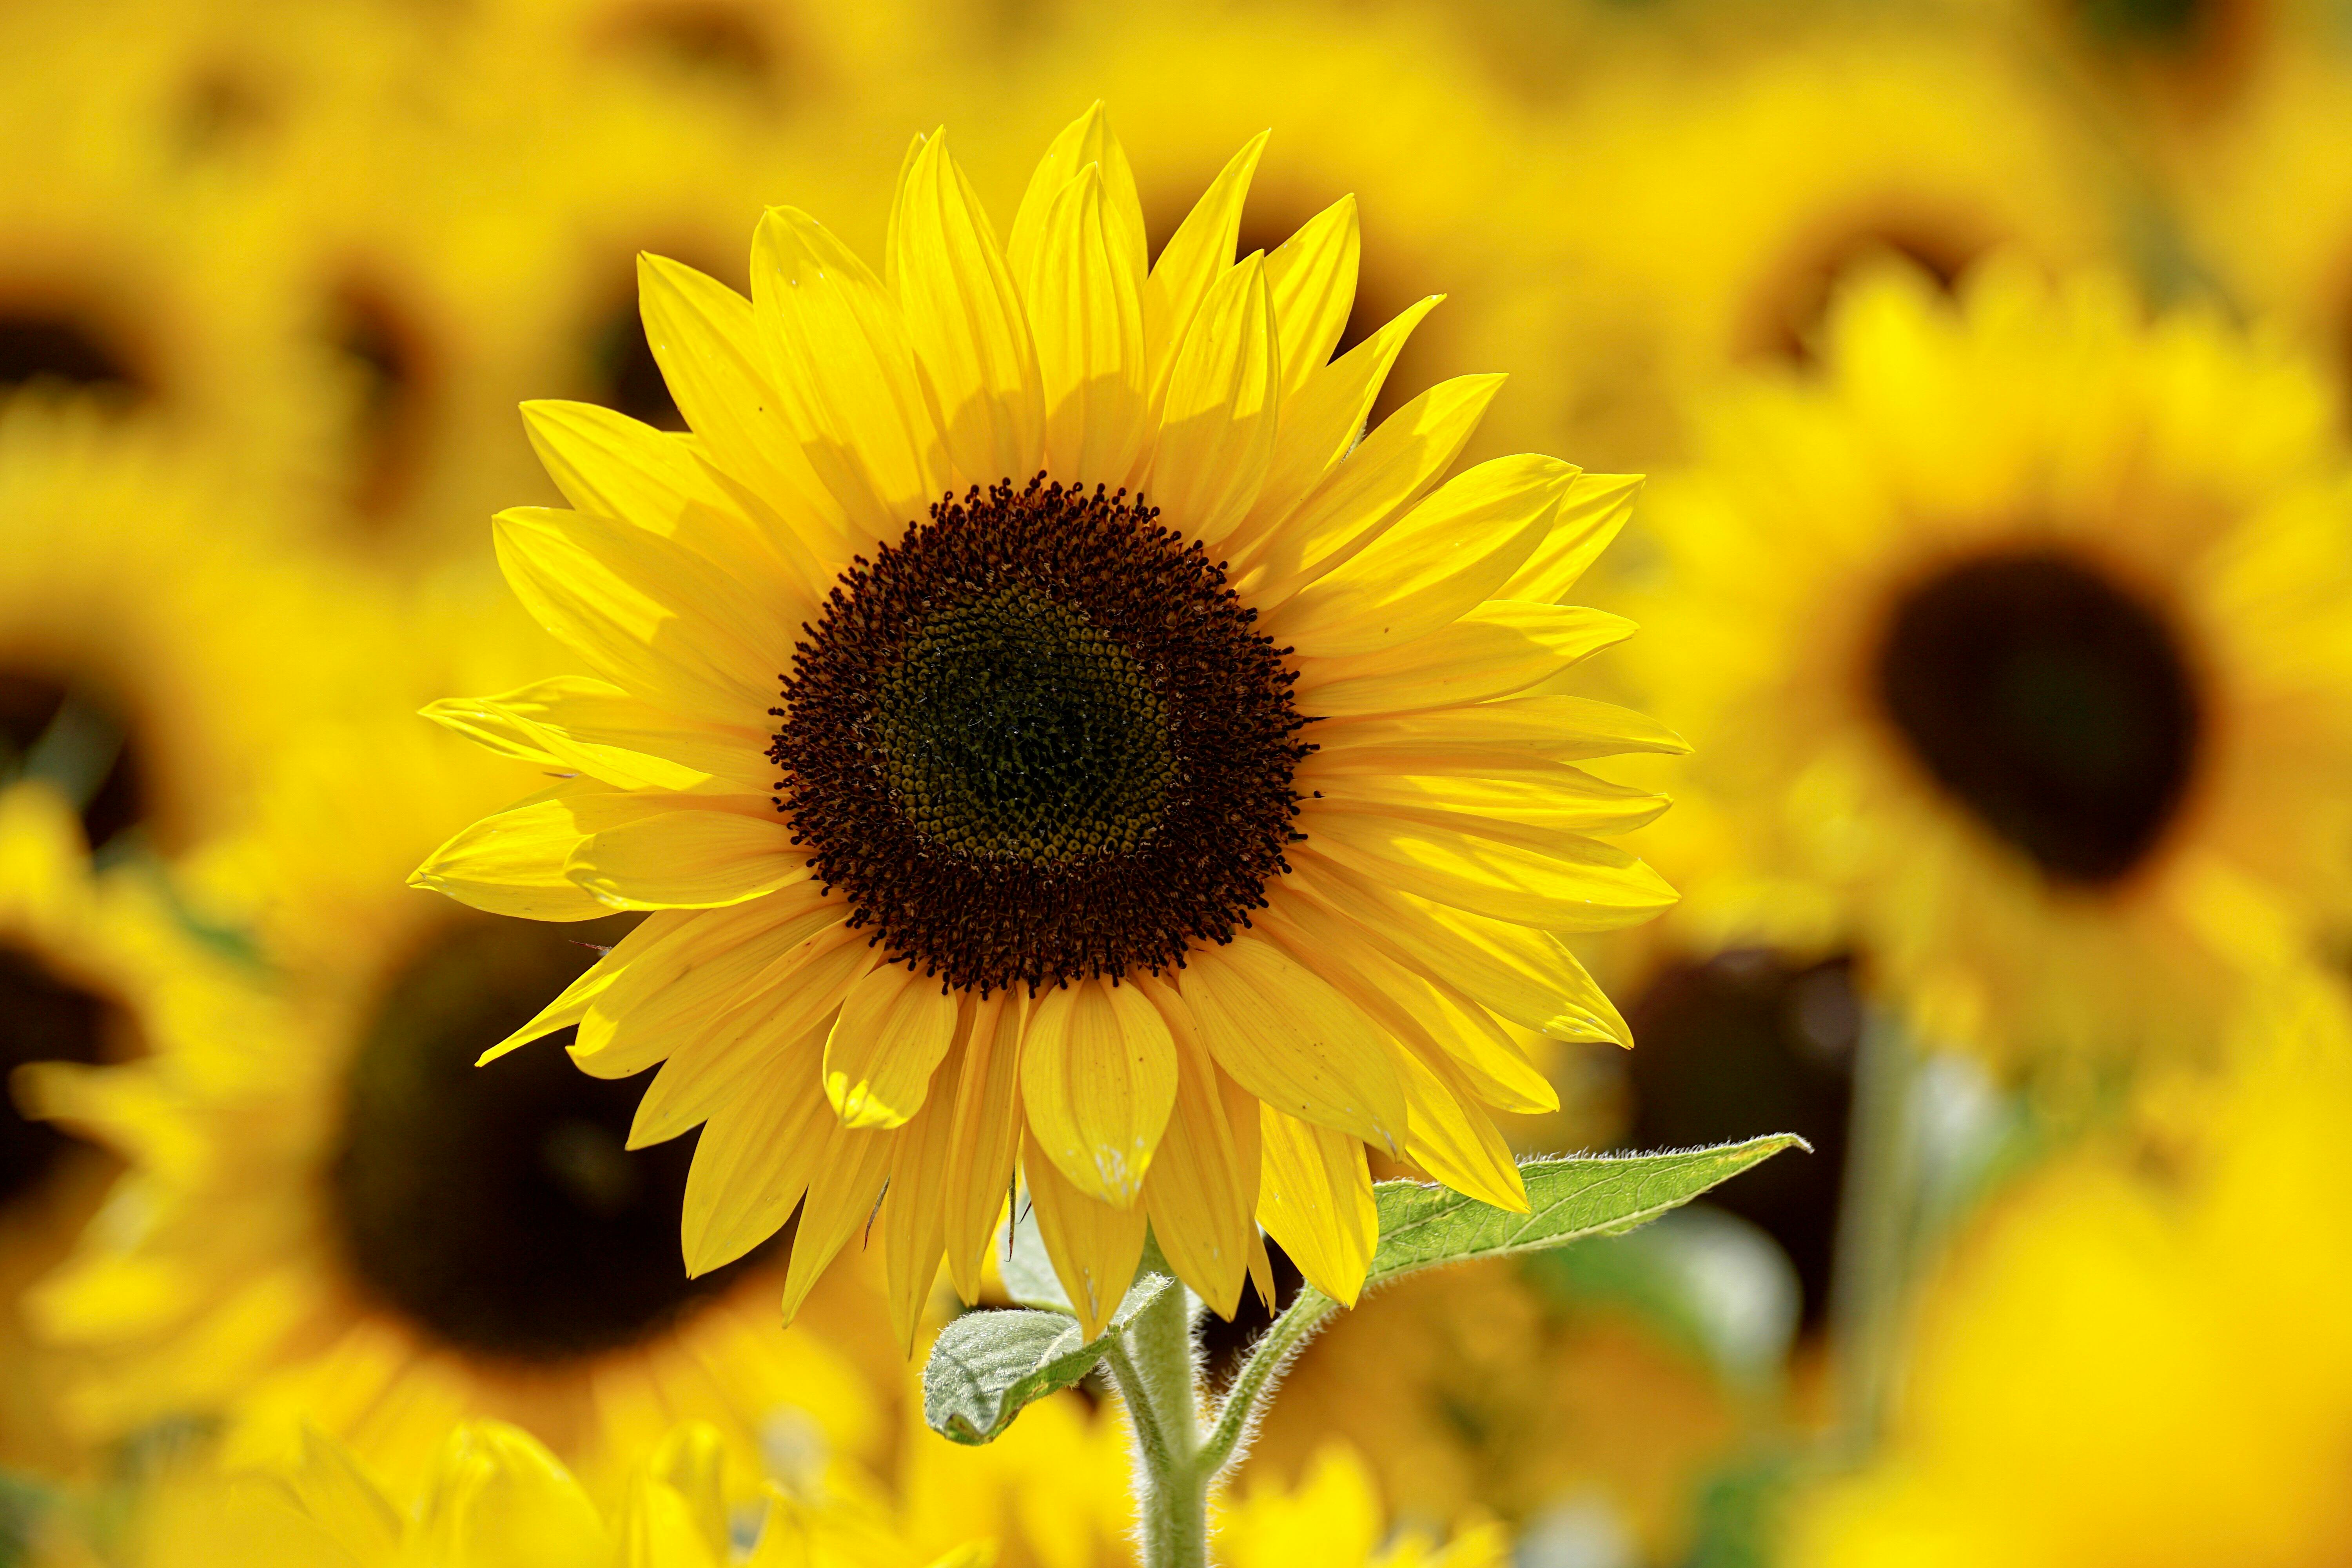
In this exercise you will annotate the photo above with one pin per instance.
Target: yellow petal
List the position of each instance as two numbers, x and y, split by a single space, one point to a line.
894 1028
707 342
1454 1140
1086 315
1088 140
1387 472
965 320
1312 276
655 619
987 1142
674 1514
610 465
651 997
1575 885
1592 514
337 1496
1563 729
497 1495
656 935
1199 253
1202 1199
593 727
1495 648
754 1159
1217 429
1098 1082
689 859
1314 1197
511 862
1289 1039
840 1204
1445 556
846 373
914 1207
1558 797
1095 1246
1321 424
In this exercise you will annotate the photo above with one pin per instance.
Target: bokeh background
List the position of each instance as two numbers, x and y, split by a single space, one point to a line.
2058 1283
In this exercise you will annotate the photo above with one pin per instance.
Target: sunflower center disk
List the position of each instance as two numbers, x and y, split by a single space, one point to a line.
1039 740
42 1019
498 1208
2058 708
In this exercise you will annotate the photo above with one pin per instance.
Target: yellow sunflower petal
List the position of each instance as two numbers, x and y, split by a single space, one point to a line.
1558 797
1086 314
1590 515
651 997
655 619
753 1161
850 1176
1563 729
1454 1142
1322 423
1288 1039
610 465
964 317
1223 405
845 372
914 1208
1573 884
1098 1083
1312 276
497 1495
1388 471
894 1027
1201 1197
594 727
706 340
1314 1197
1095 1246
1088 140
1495 649
987 1142
511 862
1200 252
1448 553
689 859
656 935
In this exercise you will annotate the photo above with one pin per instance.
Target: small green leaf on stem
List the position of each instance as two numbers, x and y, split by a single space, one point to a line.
987 1365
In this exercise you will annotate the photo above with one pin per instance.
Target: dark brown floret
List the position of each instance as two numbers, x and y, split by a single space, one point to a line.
1038 740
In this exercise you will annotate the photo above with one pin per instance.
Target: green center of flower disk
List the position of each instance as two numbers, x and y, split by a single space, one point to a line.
2056 705
44 1018
497 1210
1039 739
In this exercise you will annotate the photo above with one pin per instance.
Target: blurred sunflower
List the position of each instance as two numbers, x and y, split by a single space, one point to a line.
1740 188
2138 1358
1056 873
2019 640
91 970
331 1217
140 666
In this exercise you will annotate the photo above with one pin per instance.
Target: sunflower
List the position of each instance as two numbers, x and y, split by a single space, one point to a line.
139 665
2136 1356
331 1217
1742 186
1044 734
2016 640
92 969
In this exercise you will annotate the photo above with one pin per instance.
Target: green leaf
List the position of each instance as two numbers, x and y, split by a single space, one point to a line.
987 1365
1423 1227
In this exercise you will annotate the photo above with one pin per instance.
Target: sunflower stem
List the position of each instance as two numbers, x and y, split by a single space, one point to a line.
1253 1387
1876 1220
1157 1368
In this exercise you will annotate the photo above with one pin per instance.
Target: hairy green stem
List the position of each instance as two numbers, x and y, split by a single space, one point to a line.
1876 1222
1254 1386
1156 1367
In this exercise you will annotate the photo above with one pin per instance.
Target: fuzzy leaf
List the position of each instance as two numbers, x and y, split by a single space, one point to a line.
1569 1199
987 1365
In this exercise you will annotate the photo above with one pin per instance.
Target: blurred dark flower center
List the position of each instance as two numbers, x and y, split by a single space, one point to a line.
43 1018
76 740
2054 705
498 1208
56 345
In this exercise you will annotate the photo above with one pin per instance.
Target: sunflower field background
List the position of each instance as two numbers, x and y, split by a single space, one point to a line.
1990 366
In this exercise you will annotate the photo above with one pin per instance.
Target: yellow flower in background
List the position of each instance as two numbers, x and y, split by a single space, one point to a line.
141 668
2137 1360
92 969
1718 199
497 1498
1172 845
2018 640
333 1218
1332 1520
